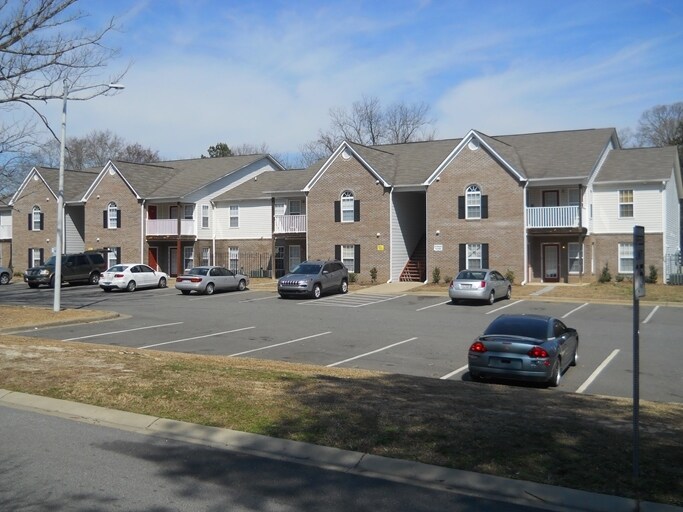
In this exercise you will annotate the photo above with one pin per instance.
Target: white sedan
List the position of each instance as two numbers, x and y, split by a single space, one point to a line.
131 276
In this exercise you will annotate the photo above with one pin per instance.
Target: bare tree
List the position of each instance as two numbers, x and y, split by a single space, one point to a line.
659 125
368 123
42 48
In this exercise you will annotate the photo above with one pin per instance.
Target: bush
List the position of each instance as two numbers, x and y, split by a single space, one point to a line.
352 277
373 275
447 279
510 276
653 277
436 275
605 276
619 278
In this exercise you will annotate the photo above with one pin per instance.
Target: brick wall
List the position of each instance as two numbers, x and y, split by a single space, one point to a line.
606 249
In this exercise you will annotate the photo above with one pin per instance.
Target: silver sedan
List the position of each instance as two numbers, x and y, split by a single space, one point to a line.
483 284
210 279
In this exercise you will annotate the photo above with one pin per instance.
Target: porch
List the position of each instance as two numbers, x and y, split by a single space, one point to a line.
169 227
289 224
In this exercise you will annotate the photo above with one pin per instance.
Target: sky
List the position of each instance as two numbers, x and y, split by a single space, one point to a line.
268 72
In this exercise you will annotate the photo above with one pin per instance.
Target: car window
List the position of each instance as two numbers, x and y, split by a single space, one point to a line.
97 259
117 268
559 328
197 271
214 272
145 268
307 268
497 276
82 259
228 273
519 326
135 269
469 275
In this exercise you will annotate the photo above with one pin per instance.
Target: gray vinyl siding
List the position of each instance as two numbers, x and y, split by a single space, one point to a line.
74 228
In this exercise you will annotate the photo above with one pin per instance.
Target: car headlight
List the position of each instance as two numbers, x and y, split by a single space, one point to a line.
44 272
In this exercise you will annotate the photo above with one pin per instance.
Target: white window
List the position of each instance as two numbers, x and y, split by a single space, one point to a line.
112 256
474 256
626 257
35 257
234 216
205 216
37 216
234 258
348 254
573 197
188 257
206 256
295 207
112 215
347 202
473 203
626 203
189 211
575 257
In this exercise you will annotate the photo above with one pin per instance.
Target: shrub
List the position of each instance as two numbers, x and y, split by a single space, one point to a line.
653 277
352 277
619 278
373 274
605 276
510 276
436 275
447 279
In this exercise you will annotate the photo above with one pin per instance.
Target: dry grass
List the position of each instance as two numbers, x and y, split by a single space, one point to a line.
514 431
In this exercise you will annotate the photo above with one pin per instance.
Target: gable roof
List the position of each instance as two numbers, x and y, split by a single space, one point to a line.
638 164
270 184
75 182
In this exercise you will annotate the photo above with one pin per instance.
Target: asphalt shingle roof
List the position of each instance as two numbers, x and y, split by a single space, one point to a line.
75 182
638 164
268 183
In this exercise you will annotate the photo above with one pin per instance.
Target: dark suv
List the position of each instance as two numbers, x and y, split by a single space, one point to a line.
313 278
80 267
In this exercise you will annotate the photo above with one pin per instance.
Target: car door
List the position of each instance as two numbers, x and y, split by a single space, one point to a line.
327 276
147 276
499 284
229 279
564 341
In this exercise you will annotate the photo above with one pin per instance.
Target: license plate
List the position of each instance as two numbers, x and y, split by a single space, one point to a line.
466 286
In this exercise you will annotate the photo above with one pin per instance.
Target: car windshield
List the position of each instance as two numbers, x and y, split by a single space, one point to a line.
198 271
307 268
117 268
51 261
519 326
471 275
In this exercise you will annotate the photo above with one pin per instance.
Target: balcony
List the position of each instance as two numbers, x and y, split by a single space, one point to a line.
169 227
290 224
552 217
5 232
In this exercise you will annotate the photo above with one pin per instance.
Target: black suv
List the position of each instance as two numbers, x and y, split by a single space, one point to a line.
313 278
80 267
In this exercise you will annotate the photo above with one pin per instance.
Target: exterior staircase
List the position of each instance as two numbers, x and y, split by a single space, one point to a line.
416 268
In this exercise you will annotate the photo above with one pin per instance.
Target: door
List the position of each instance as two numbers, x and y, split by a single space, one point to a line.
173 261
153 257
551 198
294 256
152 212
551 263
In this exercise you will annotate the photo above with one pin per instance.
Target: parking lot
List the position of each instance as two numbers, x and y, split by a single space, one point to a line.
421 335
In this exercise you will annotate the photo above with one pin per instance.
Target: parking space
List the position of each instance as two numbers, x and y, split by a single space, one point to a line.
411 334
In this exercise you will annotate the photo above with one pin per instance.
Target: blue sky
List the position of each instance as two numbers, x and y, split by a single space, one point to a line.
208 71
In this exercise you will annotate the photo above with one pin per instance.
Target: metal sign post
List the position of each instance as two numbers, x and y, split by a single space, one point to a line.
638 292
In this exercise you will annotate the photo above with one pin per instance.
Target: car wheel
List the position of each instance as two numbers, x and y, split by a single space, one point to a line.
344 288
209 289
475 377
317 291
131 286
107 290
33 285
492 297
162 282
556 375
185 292
242 286
509 293
4 278
283 295
52 281
575 359
94 278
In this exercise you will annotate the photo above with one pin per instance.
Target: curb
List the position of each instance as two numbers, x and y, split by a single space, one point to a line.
104 315
363 464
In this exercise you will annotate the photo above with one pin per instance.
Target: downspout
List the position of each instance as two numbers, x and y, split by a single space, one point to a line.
581 236
526 236
179 246
142 231
391 237
213 233
272 234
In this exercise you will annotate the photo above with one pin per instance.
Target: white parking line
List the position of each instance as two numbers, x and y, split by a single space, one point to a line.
434 305
261 298
279 344
597 372
198 337
575 310
119 332
503 307
349 301
652 313
370 353
449 375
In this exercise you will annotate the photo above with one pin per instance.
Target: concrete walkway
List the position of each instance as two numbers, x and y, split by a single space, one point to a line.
390 288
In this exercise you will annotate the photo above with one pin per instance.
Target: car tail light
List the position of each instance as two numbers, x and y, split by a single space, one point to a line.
478 347
538 352
196 280
483 284
118 275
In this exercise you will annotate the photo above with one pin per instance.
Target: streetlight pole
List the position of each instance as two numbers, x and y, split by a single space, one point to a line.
60 200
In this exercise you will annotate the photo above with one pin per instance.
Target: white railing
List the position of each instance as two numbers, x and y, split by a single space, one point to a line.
5 232
552 217
169 227
290 224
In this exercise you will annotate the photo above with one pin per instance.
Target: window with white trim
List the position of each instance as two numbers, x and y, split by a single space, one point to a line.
575 257
294 256
112 215
113 256
189 211
348 256
626 257
205 216
295 207
206 256
234 216
188 257
36 260
347 204
625 204
37 225
473 202
474 254
234 258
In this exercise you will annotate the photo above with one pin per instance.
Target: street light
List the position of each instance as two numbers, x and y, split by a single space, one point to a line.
60 197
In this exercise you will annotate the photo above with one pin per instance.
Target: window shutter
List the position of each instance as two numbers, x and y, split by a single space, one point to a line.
356 211
461 207
337 252
30 260
118 218
356 258
104 219
462 256
485 255
30 224
118 255
42 256
337 211
42 220
485 208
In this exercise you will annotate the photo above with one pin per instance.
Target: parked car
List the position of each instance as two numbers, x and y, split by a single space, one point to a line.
484 284
131 276
210 279
313 278
524 347
5 275
80 267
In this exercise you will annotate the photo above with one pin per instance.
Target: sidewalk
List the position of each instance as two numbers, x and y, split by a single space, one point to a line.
362 464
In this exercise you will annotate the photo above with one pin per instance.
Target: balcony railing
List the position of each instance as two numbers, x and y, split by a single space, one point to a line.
553 217
169 227
5 232
290 224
